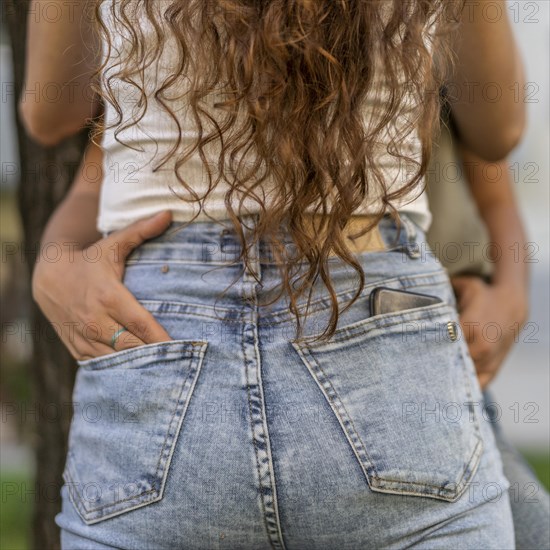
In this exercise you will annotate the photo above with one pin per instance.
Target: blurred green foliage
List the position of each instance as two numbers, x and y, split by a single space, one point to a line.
16 511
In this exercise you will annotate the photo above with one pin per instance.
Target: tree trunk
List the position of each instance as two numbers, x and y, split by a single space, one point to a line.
46 174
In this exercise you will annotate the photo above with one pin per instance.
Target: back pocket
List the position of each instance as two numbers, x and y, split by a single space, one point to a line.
128 408
400 385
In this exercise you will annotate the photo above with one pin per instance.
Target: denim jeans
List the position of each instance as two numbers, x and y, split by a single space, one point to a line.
529 498
237 435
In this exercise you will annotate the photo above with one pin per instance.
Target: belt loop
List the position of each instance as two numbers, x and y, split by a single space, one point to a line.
412 246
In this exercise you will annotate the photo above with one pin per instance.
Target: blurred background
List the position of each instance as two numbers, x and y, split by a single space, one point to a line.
521 389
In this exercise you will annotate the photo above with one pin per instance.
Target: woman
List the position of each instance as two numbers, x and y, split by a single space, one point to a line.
223 396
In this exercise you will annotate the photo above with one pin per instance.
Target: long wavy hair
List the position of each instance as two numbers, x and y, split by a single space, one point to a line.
288 81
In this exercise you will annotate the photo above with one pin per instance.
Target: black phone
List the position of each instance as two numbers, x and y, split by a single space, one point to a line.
387 300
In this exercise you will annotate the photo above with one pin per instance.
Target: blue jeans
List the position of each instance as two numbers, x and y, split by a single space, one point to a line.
236 435
529 498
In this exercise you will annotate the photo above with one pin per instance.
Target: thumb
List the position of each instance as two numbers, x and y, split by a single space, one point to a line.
136 233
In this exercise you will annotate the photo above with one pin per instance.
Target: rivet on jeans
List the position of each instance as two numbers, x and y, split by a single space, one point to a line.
164 268
452 330
413 249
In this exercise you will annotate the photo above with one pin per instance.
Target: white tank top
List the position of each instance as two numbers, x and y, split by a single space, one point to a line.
131 190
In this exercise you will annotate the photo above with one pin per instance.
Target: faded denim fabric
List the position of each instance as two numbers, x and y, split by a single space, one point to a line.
237 436
529 498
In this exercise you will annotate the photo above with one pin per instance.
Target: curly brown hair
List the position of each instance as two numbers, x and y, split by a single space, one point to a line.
296 75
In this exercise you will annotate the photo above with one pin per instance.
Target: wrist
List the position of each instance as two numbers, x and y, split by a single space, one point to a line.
516 295
512 277
512 286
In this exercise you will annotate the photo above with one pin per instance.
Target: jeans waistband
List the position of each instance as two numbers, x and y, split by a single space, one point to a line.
216 241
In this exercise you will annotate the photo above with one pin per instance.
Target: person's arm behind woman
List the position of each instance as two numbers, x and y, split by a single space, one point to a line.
486 89
504 301
81 293
62 53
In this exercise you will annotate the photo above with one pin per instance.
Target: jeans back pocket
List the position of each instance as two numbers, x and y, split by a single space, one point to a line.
400 385
128 408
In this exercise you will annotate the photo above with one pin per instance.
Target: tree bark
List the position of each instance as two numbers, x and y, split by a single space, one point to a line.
46 174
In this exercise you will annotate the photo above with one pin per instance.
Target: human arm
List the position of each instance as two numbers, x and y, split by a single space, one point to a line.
492 313
75 217
486 89
62 52
81 292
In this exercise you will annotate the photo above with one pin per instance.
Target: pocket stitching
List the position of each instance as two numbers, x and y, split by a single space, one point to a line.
459 489
469 389
87 363
353 432
361 327
69 471
336 403
78 501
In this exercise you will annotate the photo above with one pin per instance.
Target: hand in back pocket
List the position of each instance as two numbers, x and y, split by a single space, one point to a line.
87 299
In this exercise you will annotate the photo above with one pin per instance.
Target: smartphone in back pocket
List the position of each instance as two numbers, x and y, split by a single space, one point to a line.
388 300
